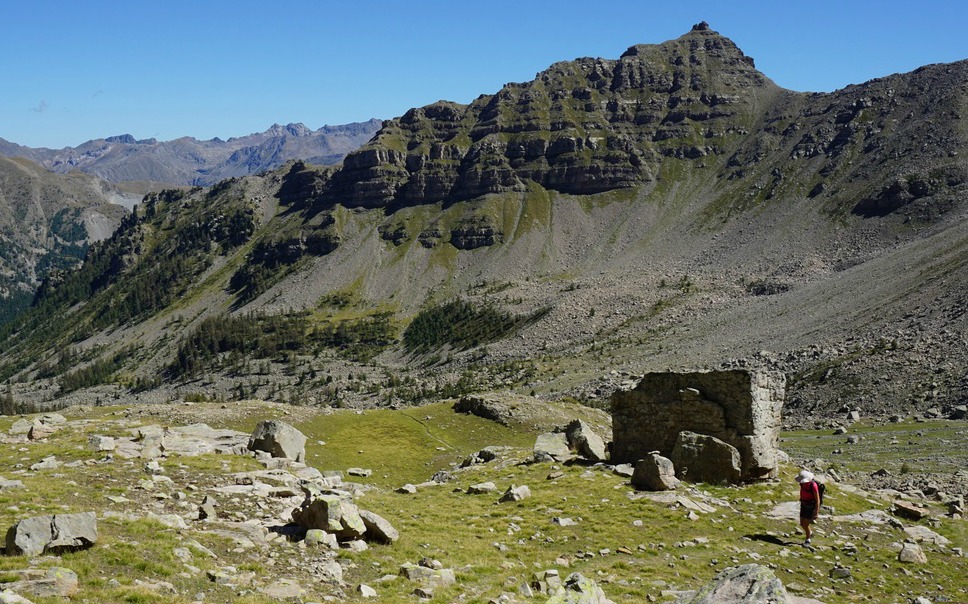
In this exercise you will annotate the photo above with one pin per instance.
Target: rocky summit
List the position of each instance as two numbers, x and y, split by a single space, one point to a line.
671 209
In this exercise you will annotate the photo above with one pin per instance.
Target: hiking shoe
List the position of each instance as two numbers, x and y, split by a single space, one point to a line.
807 542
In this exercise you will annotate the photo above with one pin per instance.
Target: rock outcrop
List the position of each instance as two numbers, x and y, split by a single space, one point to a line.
584 126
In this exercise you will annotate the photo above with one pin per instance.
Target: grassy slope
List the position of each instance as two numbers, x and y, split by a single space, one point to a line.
492 547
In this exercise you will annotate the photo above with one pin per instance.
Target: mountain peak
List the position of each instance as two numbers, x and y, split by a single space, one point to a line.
122 138
288 130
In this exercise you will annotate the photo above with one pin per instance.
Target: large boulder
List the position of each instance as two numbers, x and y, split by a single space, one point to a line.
912 553
278 439
331 511
52 534
552 446
378 528
704 458
654 473
583 439
747 584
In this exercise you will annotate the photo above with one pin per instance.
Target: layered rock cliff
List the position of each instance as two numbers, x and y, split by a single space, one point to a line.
583 126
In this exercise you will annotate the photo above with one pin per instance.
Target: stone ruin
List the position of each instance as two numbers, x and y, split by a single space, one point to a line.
740 407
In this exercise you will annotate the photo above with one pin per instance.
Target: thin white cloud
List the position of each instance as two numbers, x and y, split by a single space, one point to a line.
40 108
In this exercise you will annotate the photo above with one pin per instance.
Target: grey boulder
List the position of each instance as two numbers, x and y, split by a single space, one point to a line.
654 473
52 534
747 584
583 439
704 458
278 439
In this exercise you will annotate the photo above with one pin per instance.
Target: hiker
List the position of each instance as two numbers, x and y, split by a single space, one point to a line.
809 501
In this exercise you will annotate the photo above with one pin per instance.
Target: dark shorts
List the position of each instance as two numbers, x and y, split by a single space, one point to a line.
808 509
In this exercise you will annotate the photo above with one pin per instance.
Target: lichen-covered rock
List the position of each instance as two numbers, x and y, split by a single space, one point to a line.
578 589
704 458
747 584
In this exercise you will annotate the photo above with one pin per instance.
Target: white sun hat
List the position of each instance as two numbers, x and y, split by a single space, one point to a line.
804 476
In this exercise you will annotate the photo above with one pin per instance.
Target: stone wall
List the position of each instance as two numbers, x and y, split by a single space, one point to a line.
739 407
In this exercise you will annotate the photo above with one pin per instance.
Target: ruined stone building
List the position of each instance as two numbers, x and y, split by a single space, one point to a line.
739 407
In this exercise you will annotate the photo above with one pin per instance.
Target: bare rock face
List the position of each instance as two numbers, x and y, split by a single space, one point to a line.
654 473
279 439
739 407
580 127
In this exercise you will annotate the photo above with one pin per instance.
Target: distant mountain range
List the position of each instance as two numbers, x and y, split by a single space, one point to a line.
190 162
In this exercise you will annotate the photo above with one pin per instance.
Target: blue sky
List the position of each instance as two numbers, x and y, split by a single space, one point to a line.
78 70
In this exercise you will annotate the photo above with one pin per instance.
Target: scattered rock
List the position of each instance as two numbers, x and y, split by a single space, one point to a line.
98 443
330 511
583 439
515 493
912 553
429 577
284 589
481 488
6 485
378 528
56 582
922 534
908 510
319 537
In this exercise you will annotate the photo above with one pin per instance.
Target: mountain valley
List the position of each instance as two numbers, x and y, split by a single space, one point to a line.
671 209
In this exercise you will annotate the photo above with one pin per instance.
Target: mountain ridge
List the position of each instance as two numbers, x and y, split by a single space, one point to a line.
187 161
